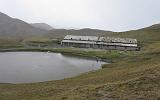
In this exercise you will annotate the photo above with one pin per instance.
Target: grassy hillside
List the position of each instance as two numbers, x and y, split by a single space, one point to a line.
61 33
135 76
132 76
145 35
8 42
42 26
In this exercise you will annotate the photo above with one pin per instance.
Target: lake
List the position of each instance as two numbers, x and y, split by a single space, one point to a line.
30 67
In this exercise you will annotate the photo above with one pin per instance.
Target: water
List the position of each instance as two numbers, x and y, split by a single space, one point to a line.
29 67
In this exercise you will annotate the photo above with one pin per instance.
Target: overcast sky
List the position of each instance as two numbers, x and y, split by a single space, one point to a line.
114 15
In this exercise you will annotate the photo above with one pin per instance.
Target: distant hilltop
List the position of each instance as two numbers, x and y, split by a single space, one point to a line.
42 26
17 28
12 27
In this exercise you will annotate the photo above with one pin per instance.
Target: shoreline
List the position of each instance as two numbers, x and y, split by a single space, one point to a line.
55 50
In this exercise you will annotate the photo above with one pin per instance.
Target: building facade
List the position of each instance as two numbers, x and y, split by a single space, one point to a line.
108 43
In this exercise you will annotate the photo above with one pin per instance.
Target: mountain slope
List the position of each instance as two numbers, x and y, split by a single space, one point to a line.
42 26
15 27
60 33
144 35
134 76
151 33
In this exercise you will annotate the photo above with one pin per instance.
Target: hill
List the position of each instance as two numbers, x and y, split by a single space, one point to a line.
11 27
60 33
43 26
133 75
144 35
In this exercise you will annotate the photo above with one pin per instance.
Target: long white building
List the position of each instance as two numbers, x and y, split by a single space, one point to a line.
109 43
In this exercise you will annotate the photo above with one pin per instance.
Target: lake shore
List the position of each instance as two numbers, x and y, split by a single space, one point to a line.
33 67
129 73
100 55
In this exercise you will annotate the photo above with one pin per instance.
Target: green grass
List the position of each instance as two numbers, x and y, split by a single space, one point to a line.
132 76
102 54
135 76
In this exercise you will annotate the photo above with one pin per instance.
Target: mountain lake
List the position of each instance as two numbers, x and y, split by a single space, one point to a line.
30 67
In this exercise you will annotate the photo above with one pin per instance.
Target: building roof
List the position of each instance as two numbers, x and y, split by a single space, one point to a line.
117 40
81 38
81 42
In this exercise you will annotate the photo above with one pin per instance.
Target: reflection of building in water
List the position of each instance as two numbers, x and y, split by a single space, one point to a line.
108 43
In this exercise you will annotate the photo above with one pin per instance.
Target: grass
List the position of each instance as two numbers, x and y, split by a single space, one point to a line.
102 54
132 76
9 43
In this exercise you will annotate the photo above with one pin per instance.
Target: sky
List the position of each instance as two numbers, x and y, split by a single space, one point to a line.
113 15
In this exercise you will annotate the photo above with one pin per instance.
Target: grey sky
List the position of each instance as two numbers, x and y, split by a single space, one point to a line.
115 15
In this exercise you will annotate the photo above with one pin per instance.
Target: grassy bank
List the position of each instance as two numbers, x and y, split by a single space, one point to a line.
134 76
131 76
100 54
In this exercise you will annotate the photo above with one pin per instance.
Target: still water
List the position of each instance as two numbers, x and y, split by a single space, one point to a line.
29 67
